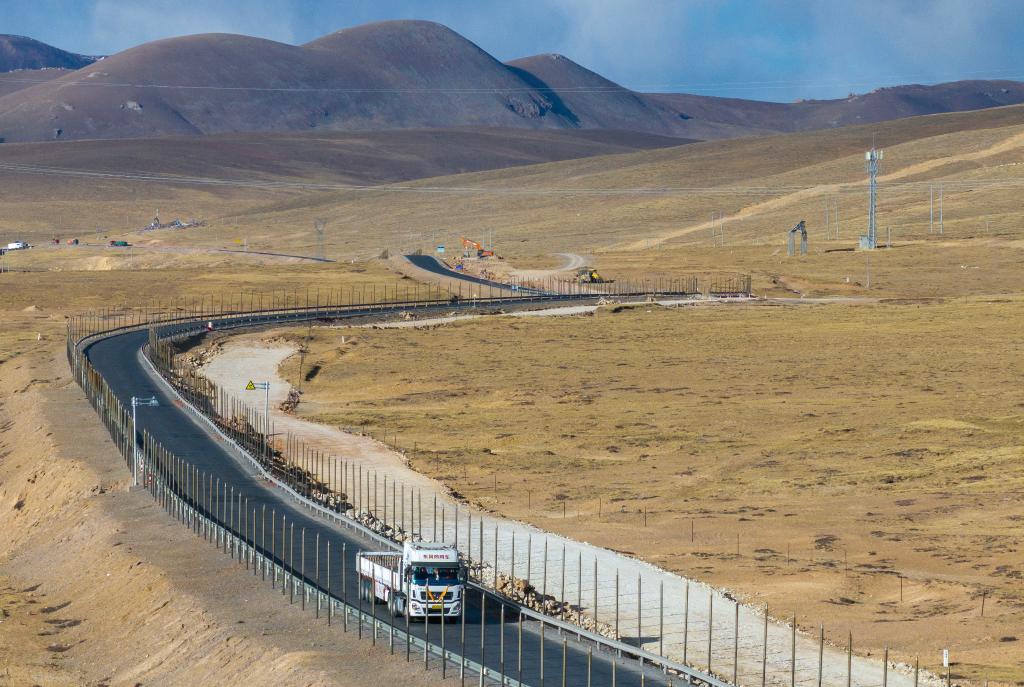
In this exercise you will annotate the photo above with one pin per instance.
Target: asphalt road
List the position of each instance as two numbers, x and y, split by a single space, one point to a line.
119 360
435 266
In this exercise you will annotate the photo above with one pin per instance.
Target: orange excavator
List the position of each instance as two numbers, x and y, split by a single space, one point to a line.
468 246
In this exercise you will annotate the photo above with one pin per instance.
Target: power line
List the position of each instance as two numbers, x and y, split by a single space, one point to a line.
1001 74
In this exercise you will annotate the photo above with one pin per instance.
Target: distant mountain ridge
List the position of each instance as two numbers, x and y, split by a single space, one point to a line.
22 52
407 75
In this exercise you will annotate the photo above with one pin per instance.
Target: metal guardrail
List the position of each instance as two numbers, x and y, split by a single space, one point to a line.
84 330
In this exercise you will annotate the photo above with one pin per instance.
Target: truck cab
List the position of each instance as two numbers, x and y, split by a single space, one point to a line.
435 577
426 579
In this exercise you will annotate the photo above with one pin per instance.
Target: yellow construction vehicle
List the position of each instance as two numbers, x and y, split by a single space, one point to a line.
589 275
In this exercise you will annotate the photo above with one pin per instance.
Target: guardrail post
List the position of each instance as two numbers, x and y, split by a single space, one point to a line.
565 653
330 601
344 584
426 632
639 612
617 635
444 657
519 649
686 620
736 643
711 622
544 582
764 651
359 598
408 636
542 625
462 639
561 586
316 587
661 618
529 557
821 653
792 656
483 632
501 661
596 626
245 534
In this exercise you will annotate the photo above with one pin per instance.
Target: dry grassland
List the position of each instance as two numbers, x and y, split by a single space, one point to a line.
764 186
848 447
820 453
67 292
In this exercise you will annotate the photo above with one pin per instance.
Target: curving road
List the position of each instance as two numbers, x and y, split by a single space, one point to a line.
435 266
488 640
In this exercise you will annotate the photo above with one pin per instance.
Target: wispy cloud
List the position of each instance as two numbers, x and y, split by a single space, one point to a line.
122 25
769 49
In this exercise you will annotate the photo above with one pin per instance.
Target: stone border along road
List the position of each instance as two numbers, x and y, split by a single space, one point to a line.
237 363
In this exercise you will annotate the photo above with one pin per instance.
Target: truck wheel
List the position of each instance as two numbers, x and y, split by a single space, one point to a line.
368 593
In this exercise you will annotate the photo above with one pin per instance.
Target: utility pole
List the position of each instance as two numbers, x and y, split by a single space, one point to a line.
265 386
931 209
151 402
869 241
941 227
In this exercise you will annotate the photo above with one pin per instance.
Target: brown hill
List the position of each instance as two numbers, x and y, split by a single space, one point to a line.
588 100
379 76
21 52
407 74
598 102
23 78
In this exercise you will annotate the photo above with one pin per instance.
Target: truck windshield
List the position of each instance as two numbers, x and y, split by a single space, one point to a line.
429 574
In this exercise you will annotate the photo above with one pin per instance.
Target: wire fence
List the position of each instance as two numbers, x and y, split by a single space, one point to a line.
557 582
219 513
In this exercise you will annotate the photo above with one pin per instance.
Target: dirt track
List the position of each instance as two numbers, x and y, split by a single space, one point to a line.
252 356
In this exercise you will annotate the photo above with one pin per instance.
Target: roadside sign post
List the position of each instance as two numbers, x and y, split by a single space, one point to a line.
265 386
137 401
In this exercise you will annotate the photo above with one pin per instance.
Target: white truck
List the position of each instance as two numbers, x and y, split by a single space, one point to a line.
17 245
429 576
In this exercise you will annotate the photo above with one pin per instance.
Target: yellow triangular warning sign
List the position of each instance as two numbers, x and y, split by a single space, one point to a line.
250 386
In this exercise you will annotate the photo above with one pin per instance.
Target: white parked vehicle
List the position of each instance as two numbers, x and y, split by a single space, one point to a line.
17 245
429 577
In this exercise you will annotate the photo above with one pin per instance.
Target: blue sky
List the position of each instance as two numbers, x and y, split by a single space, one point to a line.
762 49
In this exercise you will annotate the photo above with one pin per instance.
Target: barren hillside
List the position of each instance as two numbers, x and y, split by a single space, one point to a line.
21 52
406 74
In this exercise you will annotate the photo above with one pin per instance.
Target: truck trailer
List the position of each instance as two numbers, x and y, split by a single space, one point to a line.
424 579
